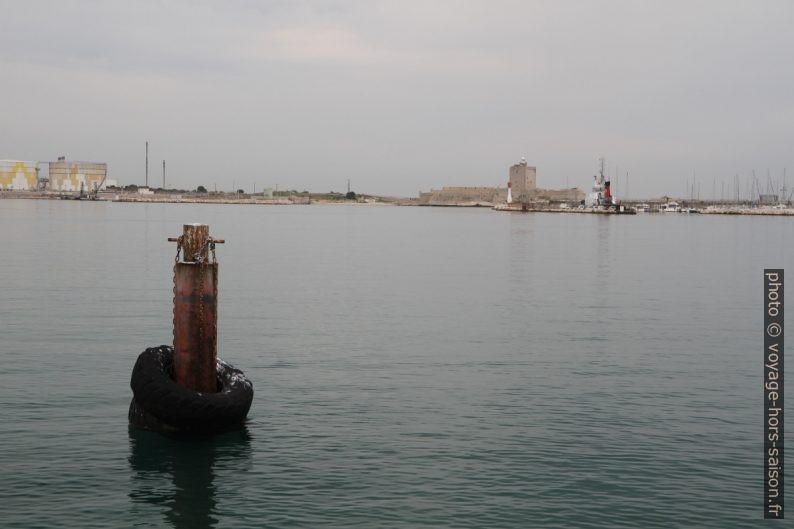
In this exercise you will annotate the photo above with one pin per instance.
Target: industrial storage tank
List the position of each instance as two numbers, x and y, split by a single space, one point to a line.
74 176
18 175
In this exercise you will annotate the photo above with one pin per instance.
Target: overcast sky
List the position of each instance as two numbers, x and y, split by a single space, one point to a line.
402 96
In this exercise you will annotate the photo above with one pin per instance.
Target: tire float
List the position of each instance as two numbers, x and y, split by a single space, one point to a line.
160 404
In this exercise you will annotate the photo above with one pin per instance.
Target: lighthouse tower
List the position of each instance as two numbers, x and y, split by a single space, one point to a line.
509 192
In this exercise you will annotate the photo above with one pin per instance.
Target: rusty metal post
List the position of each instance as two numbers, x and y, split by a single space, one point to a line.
196 310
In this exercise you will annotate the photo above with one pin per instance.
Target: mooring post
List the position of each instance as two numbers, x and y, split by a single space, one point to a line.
196 309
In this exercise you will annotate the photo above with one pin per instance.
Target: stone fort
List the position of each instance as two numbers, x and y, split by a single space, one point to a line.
523 181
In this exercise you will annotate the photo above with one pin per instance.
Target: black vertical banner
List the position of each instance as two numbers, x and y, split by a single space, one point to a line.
773 393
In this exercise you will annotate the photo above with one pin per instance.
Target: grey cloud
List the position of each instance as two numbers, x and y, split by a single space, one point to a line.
400 96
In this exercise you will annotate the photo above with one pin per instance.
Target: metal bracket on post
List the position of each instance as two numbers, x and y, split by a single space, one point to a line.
196 309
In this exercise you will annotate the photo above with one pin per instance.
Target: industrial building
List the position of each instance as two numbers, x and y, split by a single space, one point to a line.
74 176
18 175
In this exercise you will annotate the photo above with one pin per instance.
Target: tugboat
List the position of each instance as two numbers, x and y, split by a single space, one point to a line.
601 196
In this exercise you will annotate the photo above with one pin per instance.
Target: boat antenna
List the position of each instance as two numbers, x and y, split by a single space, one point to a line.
601 173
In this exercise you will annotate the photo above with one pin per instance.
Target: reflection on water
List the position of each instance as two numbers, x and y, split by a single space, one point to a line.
177 473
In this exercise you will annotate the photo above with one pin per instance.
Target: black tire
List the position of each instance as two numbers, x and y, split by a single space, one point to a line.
142 419
157 393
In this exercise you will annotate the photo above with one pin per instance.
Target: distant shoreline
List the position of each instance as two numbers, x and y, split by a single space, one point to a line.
201 198
361 200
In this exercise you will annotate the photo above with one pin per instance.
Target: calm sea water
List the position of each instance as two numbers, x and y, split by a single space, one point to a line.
413 367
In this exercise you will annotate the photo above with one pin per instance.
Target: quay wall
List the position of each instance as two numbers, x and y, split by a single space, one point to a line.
450 196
